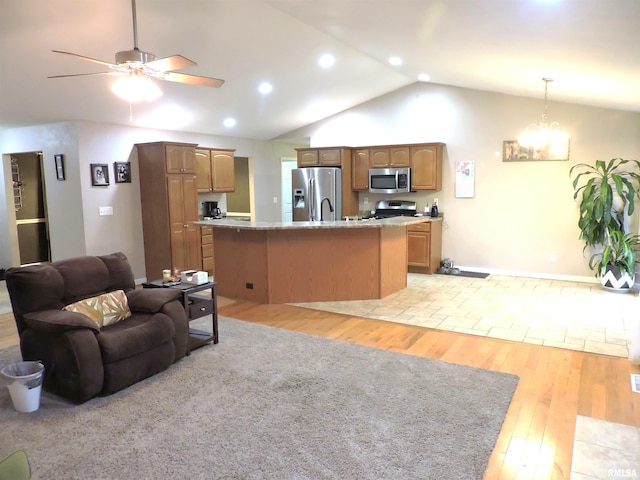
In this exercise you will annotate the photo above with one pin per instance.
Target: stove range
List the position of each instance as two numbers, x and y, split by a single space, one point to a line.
393 208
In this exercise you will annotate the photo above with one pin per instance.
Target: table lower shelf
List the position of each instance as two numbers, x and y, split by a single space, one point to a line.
200 338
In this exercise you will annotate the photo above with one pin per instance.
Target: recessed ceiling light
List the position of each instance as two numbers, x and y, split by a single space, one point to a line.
395 61
265 88
327 60
423 77
229 122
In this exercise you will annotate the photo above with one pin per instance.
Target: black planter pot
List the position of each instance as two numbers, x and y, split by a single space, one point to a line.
614 279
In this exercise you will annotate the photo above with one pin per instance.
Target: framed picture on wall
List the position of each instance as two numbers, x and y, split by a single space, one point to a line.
122 171
512 151
99 174
59 161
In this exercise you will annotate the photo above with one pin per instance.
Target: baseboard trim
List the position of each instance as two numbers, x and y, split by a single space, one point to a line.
546 276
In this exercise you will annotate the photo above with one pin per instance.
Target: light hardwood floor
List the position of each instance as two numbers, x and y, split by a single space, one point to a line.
556 385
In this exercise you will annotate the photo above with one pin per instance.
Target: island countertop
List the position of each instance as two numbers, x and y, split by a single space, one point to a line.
373 223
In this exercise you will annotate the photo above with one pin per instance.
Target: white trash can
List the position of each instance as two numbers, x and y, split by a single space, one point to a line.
24 380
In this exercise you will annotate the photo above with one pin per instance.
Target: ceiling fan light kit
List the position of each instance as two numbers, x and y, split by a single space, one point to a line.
135 88
137 68
545 135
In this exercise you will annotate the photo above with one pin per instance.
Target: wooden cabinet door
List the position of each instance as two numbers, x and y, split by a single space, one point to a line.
183 211
308 158
222 171
190 198
418 248
379 158
426 167
177 221
399 157
203 171
180 159
189 160
193 253
360 169
330 158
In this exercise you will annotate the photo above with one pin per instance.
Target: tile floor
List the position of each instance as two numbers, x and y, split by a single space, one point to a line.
605 450
573 315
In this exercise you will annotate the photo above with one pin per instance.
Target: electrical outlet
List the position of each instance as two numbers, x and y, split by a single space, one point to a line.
435 200
366 200
106 211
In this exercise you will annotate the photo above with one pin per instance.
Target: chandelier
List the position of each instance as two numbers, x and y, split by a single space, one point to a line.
546 139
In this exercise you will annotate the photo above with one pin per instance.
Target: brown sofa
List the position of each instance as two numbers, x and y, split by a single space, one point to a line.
81 359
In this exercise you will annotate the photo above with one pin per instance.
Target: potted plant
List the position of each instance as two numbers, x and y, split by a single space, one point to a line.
615 265
608 191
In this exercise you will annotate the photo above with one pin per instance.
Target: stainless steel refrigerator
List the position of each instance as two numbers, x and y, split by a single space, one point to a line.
317 194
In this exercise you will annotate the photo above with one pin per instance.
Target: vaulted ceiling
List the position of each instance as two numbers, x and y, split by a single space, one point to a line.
589 47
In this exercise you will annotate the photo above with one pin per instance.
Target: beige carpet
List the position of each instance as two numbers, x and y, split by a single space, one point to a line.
267 403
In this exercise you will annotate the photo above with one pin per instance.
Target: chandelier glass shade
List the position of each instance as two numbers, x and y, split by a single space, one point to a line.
136 88
547 139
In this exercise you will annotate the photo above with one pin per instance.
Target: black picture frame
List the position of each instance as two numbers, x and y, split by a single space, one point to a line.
122 172
59 163
99 174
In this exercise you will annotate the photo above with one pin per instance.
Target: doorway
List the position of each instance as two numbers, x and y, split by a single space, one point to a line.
30 205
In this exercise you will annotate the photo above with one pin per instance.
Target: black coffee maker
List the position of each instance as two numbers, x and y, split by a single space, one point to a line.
211 210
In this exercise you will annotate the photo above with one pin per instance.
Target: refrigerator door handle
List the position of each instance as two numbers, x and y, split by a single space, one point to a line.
312 200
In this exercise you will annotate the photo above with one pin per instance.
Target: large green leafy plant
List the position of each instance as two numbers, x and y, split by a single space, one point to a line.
620 251
607 192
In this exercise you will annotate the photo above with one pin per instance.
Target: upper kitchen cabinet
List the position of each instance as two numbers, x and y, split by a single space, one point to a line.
389 157
320 157
169 207
215 170
426 166
360 169
180 159
333 157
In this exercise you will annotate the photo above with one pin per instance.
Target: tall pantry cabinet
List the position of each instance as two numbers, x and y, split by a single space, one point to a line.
168 193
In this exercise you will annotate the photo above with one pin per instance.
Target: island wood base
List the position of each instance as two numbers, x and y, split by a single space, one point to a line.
310 265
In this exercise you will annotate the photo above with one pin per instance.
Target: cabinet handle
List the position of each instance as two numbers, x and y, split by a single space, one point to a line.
202 309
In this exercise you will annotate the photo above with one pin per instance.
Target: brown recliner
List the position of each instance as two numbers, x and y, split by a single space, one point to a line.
81 359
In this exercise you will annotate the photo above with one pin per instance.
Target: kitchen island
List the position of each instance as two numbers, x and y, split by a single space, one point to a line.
273 262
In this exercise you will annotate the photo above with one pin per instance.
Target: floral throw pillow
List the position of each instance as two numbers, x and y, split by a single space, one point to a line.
105 309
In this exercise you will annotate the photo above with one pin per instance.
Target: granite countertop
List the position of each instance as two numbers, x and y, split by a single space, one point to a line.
386 222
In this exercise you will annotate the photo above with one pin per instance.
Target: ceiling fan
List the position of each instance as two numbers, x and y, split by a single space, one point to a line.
138 64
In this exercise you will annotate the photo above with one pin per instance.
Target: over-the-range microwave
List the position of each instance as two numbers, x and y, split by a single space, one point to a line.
389 180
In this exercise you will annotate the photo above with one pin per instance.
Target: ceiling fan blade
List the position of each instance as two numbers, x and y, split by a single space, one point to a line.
94 60
89 74
174 62
192 79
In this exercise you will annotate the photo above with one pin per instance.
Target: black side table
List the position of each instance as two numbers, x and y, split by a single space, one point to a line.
195 306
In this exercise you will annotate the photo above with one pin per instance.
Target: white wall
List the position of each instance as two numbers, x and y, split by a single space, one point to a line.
522 212
64 198
75 224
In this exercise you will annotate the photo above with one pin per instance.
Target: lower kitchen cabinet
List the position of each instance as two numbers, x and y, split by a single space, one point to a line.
206 243
424 246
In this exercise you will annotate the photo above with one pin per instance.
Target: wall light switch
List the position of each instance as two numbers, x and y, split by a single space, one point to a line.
106 211
275 199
